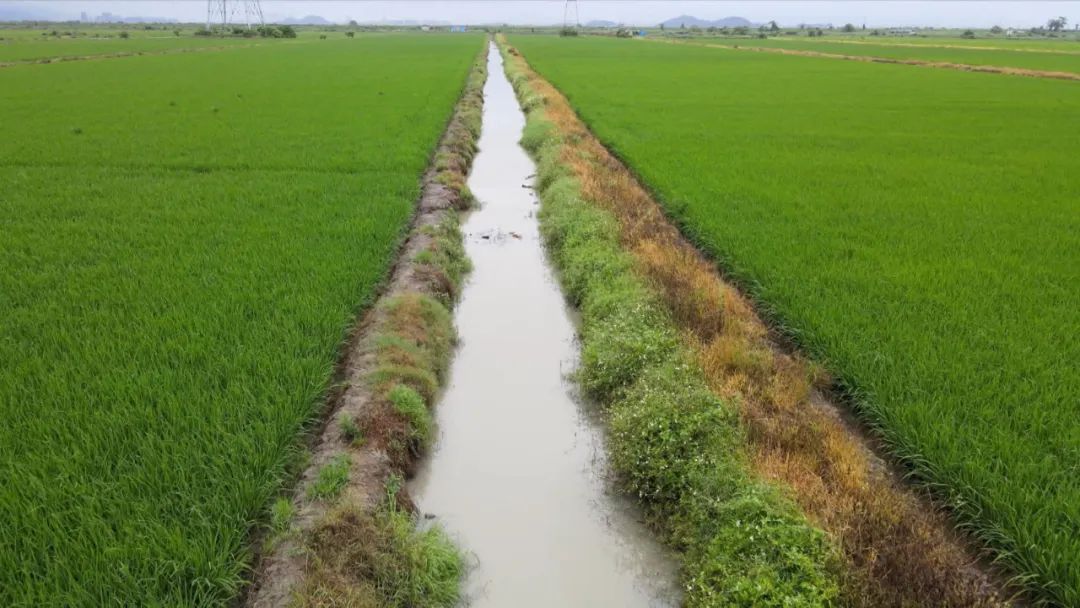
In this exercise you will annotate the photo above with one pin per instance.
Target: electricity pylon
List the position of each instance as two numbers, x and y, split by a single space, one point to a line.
566 23
222 12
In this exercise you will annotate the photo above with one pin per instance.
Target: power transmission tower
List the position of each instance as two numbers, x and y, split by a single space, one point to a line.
566 23
224 12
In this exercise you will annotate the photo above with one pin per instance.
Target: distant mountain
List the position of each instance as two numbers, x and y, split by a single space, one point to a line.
689 21
601 23
307 20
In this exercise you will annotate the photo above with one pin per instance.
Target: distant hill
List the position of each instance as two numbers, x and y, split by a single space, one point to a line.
689 21
601 23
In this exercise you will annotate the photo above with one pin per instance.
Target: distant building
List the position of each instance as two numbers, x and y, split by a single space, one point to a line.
84 18
425 28
901 31
458 28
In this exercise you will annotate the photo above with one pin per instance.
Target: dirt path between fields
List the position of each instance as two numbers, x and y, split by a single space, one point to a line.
988 69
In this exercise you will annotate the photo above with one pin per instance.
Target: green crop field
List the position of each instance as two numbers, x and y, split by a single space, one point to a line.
918 230
33 49
1066 61
184 241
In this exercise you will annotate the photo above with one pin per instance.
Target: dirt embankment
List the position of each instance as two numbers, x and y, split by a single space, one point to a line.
989 69
334 543
897 548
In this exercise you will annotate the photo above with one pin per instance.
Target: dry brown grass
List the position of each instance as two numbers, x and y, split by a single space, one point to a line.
899 549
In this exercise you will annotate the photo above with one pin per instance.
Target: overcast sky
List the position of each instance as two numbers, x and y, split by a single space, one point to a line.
873 13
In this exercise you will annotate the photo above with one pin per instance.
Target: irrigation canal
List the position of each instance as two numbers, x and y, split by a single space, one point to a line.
517 475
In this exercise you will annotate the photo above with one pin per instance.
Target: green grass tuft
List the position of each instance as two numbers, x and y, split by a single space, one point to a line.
411 405
330 480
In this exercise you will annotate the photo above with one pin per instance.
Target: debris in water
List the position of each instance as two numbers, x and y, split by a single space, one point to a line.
515 235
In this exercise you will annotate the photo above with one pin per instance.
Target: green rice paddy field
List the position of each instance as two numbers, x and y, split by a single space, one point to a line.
917 230
184 241
1065 56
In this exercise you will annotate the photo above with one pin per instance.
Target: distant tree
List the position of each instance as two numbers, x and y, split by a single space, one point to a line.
875 32
968 34
322 36
848 27
176 32
773 26
287 31
661 27
1056 25
124 35
350 34
353 23
622 32
682 26
996 29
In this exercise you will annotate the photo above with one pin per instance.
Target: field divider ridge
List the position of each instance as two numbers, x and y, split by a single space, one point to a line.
739 448
347 532
965 67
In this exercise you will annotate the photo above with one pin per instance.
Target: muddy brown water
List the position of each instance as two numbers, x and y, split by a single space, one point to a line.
517 476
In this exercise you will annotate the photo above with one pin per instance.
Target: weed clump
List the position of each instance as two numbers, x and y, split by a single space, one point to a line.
410 404
330 480
381 560
350 431
281 514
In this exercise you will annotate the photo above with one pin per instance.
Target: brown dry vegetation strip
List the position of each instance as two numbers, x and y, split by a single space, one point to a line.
402 346
899 550
989 69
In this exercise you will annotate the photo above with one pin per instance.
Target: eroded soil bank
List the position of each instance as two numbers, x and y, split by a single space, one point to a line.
517 476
